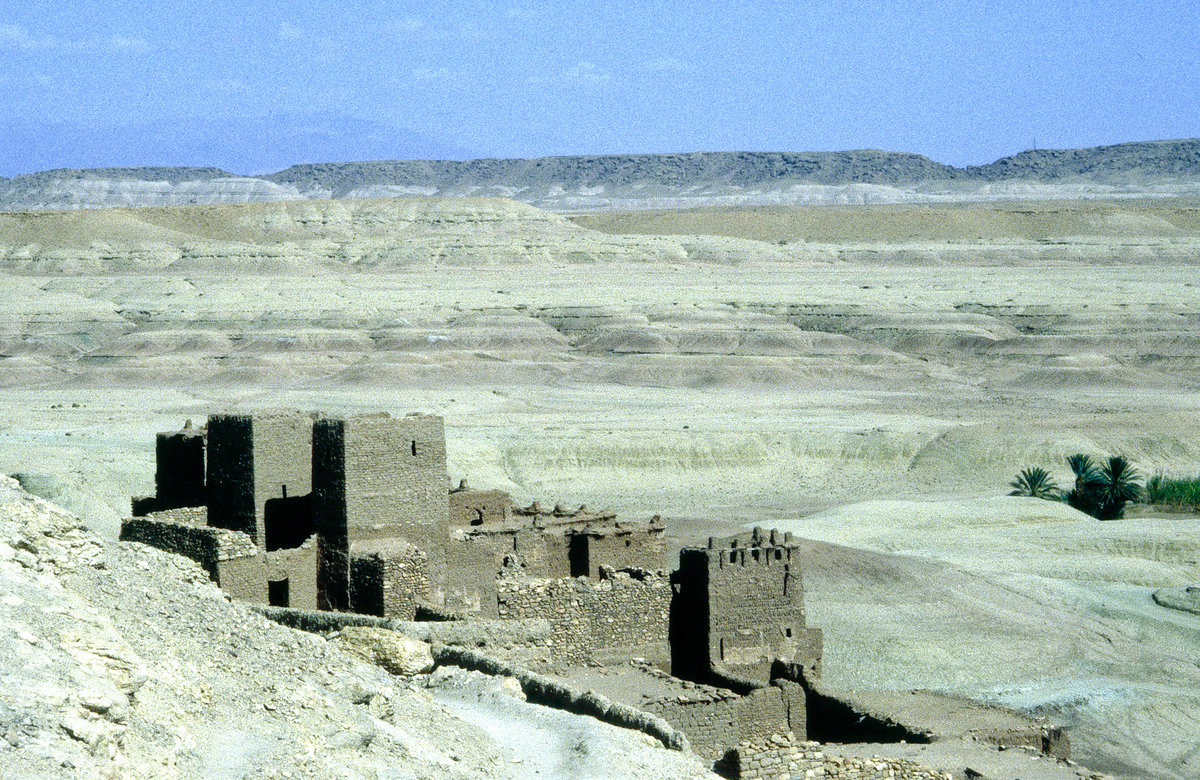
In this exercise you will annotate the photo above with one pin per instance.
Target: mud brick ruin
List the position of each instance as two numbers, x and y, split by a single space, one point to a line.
355 515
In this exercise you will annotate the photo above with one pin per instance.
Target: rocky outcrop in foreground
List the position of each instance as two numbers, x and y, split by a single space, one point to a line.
123 661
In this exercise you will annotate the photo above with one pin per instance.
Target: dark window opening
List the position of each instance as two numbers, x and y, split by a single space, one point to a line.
277 592
628 542
778 554
787 632
287 522
577 555
478 518
414 448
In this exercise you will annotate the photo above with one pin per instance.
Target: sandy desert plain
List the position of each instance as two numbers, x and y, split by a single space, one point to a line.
869 377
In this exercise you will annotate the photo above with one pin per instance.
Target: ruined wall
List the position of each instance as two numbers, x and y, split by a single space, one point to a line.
635 548
715 720
230 557
299 567
781 756
388 578
179 469
533 551
471 570
605 620
185 515
479 507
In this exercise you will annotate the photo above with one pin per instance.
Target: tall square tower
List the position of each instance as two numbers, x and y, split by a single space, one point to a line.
259 472
376 477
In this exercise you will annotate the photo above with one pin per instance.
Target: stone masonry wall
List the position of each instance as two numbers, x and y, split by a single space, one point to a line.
781 757
184 515
298 566
606 620
230 557
389 579
282 444
715 720
329 512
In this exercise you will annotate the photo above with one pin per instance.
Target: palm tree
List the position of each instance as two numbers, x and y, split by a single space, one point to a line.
1117 486
1035 482
1087 483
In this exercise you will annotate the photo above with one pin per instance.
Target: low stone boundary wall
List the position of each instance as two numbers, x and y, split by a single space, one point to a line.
471 633
542 690
782 756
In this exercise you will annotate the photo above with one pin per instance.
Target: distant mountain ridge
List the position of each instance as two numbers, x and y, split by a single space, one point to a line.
643 180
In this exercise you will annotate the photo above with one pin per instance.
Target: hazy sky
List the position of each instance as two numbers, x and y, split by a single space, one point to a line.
251 86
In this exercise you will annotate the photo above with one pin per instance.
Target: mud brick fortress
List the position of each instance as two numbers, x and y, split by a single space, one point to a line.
356 515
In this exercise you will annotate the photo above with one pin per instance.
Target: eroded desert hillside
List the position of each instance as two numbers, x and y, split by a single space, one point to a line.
718 366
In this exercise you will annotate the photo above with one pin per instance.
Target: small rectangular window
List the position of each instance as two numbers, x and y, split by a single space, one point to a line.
414 448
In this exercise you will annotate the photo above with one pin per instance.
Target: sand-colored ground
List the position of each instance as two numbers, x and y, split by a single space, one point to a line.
719 380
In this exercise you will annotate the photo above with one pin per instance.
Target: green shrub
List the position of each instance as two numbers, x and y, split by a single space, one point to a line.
1173 491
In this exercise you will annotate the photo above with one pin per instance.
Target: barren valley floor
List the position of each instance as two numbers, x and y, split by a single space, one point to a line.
875 395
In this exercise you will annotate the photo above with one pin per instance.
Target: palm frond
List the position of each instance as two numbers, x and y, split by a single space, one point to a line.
1035 482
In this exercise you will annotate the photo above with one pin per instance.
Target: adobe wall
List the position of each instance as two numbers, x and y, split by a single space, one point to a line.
388 578
632 548
179 469
609 620
471 570
535 552
479 507
714 720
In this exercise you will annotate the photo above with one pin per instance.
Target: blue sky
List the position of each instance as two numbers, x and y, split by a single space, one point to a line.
255 86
